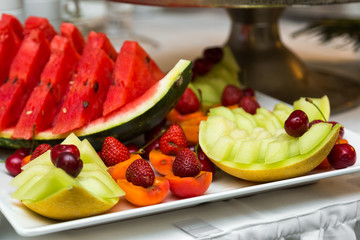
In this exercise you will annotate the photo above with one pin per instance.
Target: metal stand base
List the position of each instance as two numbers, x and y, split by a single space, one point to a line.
268 66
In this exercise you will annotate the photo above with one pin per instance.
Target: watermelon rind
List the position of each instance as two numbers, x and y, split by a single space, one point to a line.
128 122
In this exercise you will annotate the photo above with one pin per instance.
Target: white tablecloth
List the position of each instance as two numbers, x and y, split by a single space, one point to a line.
327 209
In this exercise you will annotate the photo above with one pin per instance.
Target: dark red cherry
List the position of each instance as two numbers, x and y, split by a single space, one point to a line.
60 148
13 164
132 147
213 54
297 123
342 155
206 163
70 163
202 66
316 121
231 95
22 152
342 131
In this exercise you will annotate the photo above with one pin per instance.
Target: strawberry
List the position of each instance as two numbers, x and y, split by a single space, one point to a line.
140 173
173 140
249 104
186 164
113 152
42 148
231 95
188 102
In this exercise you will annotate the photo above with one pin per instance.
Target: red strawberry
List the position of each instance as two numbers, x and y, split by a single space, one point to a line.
188 102
173 140
231 95
113 152
186 164
249 104
140 173
42 148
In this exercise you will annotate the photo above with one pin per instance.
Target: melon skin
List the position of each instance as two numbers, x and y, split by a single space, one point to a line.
24 74
46 97
132 120
134 72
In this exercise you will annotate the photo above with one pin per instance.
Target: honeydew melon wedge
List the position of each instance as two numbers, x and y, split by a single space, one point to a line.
266 153
51 192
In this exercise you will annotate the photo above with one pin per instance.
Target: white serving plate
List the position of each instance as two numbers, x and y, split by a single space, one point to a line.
224 186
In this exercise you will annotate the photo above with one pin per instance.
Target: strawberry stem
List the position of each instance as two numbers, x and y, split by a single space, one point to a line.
311 101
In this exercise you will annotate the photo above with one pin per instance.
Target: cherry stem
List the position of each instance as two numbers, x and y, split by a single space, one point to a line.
32 140
196 149
311 101
141 150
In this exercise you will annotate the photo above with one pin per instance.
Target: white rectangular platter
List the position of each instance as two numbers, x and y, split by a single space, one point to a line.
223 187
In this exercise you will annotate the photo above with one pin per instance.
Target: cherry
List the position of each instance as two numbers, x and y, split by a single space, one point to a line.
231 95
214 54
132 147
202 66
316 121
342 131
249 104
188 102
70 163
206 164
13 164
249 92
297 123
23 152
342 155
60 148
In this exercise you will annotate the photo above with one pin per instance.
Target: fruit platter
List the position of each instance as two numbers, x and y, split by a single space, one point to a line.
92 136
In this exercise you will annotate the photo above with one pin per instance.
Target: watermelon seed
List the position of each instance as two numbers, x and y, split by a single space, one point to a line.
15 80
86 82
28 112
96 87
64 110
147 58
85 104
6 80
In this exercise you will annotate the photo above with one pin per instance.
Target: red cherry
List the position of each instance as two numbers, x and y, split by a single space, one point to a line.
342 155
249 104
315 122
202 66
13 164
342 131
70 163
231 95
213 54
60 148
132 147
297 123
206 163
188 102
23 152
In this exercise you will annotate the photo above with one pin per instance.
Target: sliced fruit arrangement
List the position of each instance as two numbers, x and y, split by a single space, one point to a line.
269 146
83 97
67 181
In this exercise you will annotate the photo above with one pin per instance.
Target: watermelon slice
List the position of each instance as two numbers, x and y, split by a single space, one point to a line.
44 101
87 94
14 23
24 74
100 40
134 73
71 32
41 24
9 45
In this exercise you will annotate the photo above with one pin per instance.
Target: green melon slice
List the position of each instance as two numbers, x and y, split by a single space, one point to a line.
128 122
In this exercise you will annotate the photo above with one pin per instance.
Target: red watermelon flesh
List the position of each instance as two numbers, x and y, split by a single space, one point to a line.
24 74
9 45
41 24
100 40
84 101
134 73
71 32
44 101
14 23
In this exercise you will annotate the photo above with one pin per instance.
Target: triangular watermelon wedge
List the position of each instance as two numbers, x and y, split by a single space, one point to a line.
134 73
41 24
9 45
100 40
71 32
14 23
43 104
84 101
24 74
